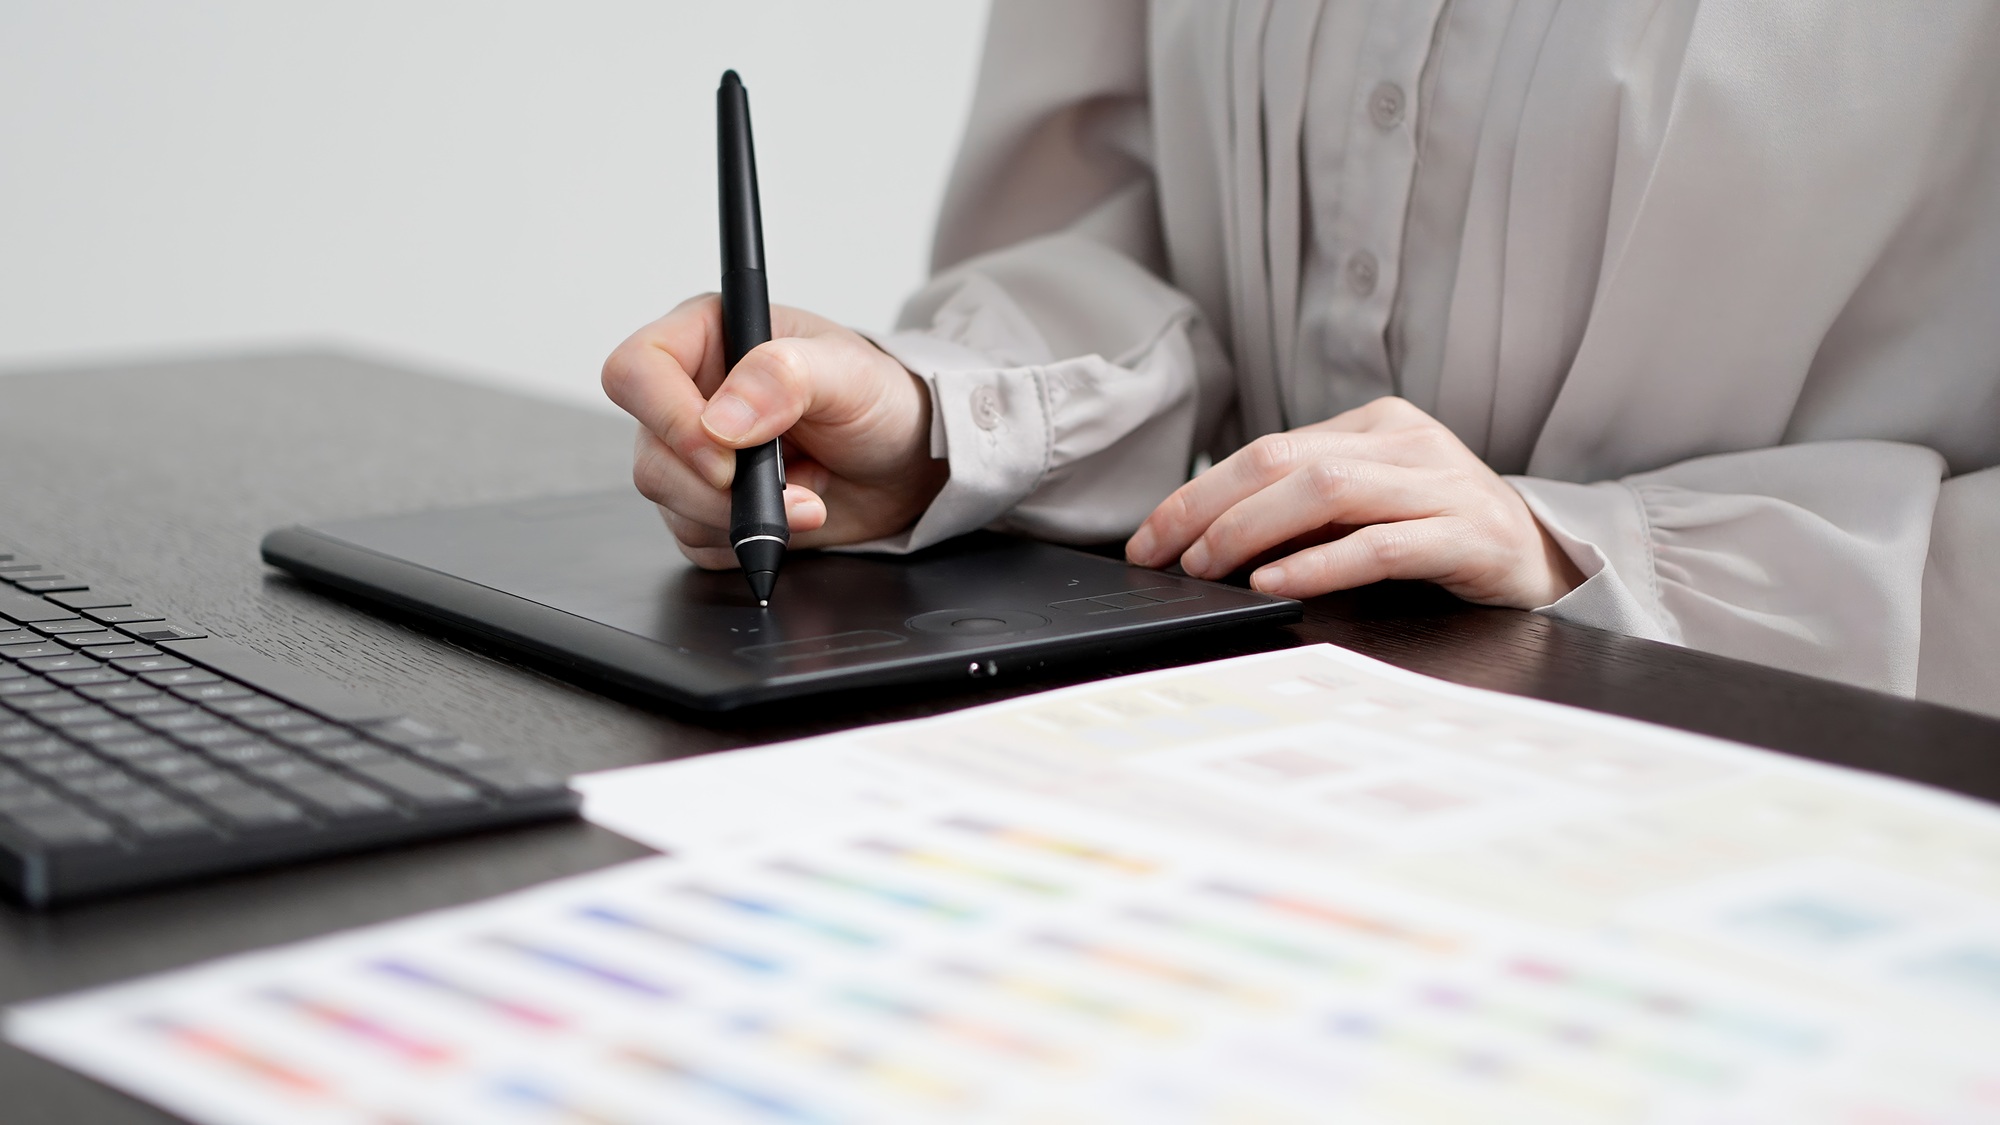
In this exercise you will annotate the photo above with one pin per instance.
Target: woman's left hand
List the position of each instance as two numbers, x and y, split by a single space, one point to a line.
1383 491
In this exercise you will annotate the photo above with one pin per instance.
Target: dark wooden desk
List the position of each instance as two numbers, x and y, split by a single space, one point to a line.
163 478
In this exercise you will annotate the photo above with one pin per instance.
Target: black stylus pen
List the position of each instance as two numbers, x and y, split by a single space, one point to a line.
757 526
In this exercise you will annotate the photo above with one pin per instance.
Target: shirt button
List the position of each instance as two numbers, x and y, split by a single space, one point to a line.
986 407
1362 272
1385 106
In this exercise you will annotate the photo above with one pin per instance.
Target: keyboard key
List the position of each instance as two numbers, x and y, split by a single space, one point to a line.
109 785
41 649
102 638
181 676
114 730
90 599
172 822
282 719
207 737
78 677
84 712
249 754
137 664
351 753
169 822
339 798
66 625
13 672
62 828
253 810
255 707
173 767
20 730
189 719
48 585
425 788
122 688
118 615
154 632
36 704
135 749
159 705
35 686
116 652
202 693
59 663
125 802
71 764
35 749
20 797
27 608
312 737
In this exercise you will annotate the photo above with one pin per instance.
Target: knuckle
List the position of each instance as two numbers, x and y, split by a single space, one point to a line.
785 360
618 374
1273 454
1327 482
1388 548
648 472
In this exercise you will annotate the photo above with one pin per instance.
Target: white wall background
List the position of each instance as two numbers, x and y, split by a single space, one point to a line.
501 190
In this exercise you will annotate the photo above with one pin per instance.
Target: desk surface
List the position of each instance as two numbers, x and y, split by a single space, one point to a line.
163 477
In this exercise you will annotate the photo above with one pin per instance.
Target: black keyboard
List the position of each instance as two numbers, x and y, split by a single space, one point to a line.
136 750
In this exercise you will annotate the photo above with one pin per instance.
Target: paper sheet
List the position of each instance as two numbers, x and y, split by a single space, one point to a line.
1301 886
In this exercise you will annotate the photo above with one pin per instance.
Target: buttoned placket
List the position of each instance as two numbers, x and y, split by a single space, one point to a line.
1359 218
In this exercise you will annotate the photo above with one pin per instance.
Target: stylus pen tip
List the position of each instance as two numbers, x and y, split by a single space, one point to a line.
765 604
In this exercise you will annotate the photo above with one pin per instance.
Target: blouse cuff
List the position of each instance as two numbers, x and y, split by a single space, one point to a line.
1602 528
991 424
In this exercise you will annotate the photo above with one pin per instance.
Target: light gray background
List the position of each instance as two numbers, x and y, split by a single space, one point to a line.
498 190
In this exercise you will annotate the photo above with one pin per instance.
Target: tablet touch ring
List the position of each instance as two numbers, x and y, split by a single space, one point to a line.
977 622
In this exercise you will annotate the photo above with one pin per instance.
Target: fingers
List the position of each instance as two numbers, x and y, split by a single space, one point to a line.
1183 517
656 377
1321 493
1435 549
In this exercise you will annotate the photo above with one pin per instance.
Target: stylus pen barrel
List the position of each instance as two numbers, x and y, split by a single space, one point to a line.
746 314
742 221
757 496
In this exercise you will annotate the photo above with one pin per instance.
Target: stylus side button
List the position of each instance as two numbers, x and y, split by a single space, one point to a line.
856 641
1128 599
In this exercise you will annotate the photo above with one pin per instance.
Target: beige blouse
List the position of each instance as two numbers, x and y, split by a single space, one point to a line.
1717 282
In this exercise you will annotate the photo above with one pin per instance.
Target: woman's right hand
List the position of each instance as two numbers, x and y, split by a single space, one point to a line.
856 426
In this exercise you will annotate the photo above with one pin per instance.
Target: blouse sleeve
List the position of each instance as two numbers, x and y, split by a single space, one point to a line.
1808 557
1070 384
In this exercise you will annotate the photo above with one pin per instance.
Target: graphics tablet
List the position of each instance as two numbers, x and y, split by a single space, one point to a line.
595 582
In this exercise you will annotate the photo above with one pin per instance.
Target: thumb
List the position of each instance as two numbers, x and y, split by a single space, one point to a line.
821 378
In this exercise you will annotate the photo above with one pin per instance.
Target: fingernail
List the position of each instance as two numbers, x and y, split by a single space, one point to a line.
717 465
1195 561
1141 547
1269 579
729 417
799 510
